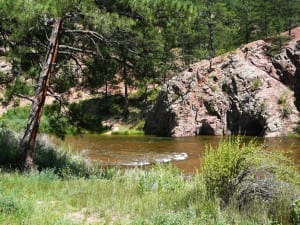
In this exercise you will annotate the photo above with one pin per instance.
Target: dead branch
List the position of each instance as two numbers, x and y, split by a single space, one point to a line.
88 32
80 50
24 97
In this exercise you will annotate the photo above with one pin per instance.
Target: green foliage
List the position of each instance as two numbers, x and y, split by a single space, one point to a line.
160 180
58 123
246 177
286 107
86 115
169 219
17 117
64 80
48 157
296 212
62 161
9 147
255 84
8 204
5 78
222 165
18 87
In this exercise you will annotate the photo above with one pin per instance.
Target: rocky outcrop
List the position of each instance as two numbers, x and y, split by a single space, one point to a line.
248 92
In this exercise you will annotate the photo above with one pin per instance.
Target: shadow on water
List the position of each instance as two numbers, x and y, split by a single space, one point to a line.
185 153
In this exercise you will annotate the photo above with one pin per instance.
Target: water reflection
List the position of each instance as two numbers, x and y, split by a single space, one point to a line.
185 153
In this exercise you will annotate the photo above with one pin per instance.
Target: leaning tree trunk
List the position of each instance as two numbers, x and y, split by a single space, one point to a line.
126 104
27 144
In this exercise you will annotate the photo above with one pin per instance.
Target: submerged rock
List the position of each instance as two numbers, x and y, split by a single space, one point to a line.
248 92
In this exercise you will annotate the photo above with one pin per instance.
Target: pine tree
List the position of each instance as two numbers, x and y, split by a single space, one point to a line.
49 15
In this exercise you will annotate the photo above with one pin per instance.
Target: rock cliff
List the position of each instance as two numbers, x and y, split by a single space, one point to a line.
248 92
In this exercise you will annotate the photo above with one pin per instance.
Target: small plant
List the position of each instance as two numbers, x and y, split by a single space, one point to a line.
210 107
282 99
298 129
256 84
286 108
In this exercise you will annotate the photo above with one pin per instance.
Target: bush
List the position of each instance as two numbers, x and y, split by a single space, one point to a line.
247 178
222 166
62 161
8 148
47 156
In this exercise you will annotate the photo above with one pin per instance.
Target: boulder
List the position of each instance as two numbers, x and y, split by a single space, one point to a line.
248 92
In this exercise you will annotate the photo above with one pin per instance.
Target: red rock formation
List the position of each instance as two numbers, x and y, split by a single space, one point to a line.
248 92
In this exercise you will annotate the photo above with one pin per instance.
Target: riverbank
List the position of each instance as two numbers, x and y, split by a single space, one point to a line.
237 184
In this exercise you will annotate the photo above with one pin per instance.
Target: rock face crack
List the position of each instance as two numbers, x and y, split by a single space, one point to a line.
248 93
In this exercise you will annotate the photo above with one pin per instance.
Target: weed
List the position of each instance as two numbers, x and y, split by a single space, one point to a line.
286 107
255 84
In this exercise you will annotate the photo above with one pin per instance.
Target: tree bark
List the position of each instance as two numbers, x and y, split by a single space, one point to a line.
27 144
126 105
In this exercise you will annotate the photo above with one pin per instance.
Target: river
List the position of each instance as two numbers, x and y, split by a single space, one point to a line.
185 153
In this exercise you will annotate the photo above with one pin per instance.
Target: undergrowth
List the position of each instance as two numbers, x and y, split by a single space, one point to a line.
60 160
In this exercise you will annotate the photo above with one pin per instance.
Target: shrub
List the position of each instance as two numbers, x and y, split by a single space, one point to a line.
62 160
222 166
5 78
47 156
8 148
246 176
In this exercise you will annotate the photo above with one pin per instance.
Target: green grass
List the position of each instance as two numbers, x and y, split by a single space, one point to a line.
159 195
17 119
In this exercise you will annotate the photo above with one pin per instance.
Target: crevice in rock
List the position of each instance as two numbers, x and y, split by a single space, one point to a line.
297 89
245 123
205 129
